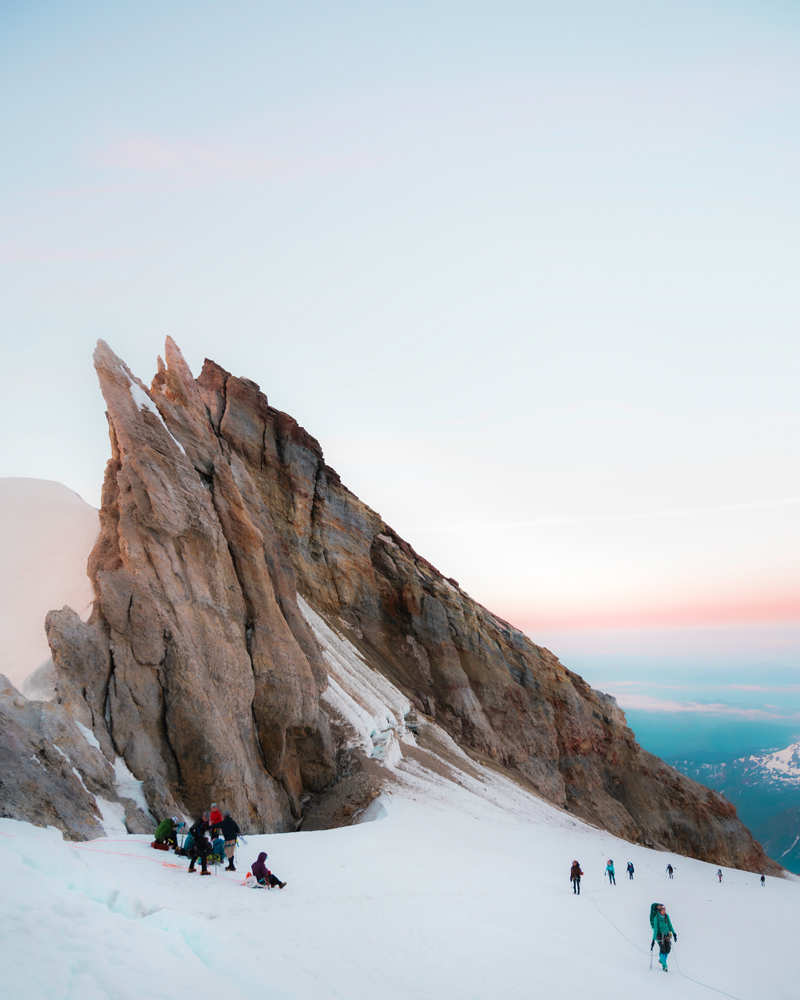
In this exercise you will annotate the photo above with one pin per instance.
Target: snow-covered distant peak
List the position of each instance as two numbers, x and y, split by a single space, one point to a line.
783 765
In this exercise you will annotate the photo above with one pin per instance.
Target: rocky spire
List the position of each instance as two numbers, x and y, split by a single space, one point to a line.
199 667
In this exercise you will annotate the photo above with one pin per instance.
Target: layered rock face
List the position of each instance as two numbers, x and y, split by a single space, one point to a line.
196 660
50 775
202 671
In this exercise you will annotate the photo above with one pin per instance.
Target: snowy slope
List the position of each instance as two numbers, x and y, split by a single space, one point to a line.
46 535
457 889
449 895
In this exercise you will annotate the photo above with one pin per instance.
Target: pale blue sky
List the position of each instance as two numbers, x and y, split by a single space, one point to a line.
529 272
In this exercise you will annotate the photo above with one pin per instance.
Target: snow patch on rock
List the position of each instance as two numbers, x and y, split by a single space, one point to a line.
368 702
144 402
129 787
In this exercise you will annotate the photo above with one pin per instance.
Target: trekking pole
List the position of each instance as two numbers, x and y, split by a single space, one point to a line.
651 955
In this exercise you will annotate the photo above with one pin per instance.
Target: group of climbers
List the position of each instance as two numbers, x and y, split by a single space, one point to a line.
663 931
212 836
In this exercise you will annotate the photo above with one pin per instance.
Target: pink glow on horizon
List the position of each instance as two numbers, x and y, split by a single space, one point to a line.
683 615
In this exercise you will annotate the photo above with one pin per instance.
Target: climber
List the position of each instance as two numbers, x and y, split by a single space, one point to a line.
662 929
719 874
575 877
263 874
670 870
200 848
214 817
610 872
629 869
230 831
166 831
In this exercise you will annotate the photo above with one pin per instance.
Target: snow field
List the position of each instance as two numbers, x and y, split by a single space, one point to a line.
449 895
458 889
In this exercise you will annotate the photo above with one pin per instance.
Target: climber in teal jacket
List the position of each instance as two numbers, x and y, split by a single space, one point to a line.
662 929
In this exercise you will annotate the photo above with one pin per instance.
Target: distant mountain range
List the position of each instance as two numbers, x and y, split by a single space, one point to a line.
765 788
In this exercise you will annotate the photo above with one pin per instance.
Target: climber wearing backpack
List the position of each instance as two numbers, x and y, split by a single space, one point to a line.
629 869
610 872
575 877
662 931
200 848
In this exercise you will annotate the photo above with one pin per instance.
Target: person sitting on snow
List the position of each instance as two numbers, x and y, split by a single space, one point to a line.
662 929
263 874
166 831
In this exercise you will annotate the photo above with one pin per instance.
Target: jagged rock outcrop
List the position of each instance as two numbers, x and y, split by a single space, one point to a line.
217 509
195 655
51 776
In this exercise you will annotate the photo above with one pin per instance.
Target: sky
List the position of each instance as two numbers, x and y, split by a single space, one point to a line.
527 271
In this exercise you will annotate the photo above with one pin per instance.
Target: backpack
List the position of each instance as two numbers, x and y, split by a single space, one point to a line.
653 910
217 856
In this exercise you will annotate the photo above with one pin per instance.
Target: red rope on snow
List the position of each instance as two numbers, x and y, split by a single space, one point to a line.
140 857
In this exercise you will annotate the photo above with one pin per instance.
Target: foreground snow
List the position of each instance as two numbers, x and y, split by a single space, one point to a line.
458 888
452 892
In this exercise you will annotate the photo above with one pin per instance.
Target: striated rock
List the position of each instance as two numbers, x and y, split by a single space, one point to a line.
201 669
483 680
195 655
51 776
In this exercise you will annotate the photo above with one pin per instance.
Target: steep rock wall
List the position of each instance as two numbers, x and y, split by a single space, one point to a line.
491 687
195 659
217 509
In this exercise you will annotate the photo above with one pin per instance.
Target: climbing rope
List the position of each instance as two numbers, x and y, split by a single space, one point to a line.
144 857
714 988
674 956
617 929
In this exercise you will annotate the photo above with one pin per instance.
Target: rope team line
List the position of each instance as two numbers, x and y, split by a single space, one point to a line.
144 857
714 988
636 946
